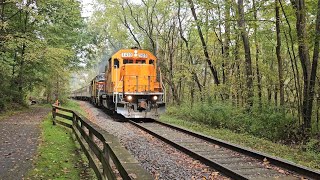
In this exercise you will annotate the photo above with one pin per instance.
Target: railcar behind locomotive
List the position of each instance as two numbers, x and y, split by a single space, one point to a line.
130 86
97 89
82 93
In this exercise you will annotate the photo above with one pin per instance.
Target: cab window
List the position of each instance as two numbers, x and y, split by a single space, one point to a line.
140 61
151 61
127 61
109 66
116 63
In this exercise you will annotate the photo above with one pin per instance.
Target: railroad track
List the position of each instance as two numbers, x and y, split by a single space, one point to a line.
231 160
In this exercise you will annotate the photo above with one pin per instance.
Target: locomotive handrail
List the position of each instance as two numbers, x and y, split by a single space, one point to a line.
105 153
163 87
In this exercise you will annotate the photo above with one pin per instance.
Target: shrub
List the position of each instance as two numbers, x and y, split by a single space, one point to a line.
268 123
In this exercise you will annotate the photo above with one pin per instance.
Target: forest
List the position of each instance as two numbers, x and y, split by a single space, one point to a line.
230 61
40 46
249 66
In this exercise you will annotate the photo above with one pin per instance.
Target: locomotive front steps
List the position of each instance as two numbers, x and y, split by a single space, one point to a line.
107 157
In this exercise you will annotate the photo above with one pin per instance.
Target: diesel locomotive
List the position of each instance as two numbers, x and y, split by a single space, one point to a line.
129 85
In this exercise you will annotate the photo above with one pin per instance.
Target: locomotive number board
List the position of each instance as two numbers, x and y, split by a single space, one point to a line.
128 54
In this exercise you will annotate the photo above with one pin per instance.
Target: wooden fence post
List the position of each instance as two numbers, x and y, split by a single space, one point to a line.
53 115
86 132
105 154
91 138
74 119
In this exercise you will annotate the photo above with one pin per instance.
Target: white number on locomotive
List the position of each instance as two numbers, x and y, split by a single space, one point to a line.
143 55
126 54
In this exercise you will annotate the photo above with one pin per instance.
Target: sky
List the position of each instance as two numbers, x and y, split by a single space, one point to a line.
87 8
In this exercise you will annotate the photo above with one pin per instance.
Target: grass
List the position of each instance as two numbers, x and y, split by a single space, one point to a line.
59 155
310 159
73 105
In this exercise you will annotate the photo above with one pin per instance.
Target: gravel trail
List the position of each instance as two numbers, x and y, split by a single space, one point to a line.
19 136
158 158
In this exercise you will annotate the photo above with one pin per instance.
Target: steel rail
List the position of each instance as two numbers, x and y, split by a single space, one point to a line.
228 172
301 170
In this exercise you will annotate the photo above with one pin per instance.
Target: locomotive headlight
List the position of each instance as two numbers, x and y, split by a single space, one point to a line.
155 98
129 98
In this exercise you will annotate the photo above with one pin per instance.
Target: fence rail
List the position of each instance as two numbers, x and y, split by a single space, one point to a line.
107 157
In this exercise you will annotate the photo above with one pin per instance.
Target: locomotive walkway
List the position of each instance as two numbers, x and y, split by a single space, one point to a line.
19 138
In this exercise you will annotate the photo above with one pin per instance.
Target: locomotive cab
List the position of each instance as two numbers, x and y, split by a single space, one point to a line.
131 80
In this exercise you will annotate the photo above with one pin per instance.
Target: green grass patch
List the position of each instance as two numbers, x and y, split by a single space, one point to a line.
73 105
59 154
310 159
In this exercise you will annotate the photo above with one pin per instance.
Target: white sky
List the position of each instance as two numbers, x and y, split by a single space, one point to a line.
87 8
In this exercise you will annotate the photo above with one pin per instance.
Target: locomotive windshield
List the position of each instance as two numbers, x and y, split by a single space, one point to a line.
131 61
140 61
127 61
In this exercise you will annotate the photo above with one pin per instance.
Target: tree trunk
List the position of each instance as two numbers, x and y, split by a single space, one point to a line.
227 38
194 74
294 64
309 71
313 69
248 64
204 46
278 52
257 54
237 69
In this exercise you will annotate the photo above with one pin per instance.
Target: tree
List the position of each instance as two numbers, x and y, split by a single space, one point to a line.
241 43
204 46
309 70
278 52
246 46
34 33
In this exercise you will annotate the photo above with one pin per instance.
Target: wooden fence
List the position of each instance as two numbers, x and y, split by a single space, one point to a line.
108 158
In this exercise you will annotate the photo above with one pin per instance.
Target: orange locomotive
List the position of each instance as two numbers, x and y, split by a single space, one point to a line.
131 86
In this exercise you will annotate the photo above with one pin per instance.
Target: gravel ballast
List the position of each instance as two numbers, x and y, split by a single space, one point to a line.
158 158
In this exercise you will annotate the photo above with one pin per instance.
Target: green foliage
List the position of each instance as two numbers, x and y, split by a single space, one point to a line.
71 104
267 123
313 145
116 24
39 45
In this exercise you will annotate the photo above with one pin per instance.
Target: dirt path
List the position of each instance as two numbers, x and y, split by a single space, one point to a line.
19 138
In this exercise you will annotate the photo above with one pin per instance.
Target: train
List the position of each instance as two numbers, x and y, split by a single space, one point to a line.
131 85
